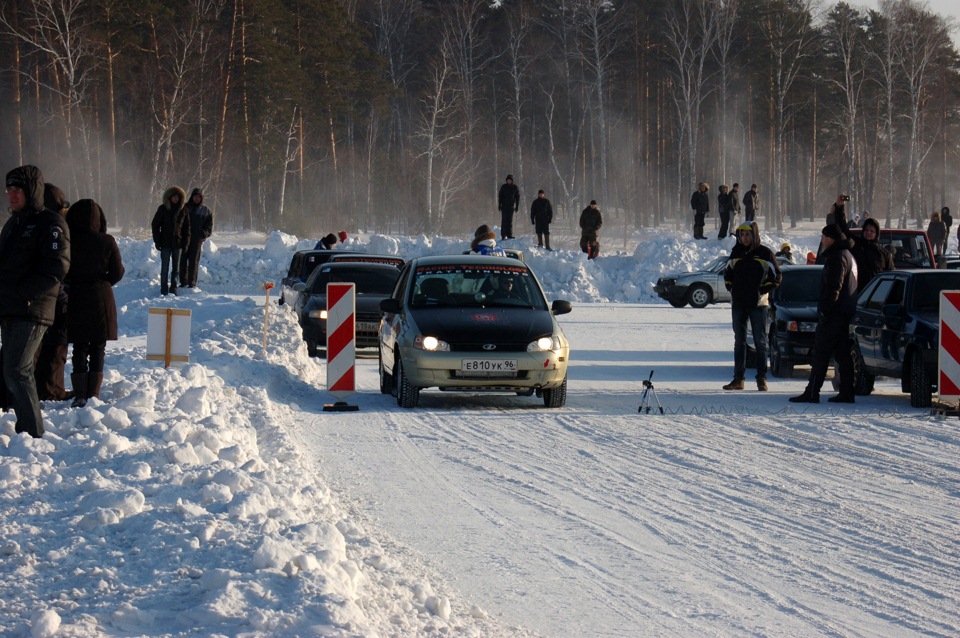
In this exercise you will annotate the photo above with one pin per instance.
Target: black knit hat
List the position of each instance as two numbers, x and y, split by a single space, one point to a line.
833 231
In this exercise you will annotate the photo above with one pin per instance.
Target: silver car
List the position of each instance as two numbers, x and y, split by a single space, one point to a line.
699 289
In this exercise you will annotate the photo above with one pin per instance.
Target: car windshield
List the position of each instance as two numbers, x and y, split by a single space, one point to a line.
458 285
369 282
928 286
800 285
717 264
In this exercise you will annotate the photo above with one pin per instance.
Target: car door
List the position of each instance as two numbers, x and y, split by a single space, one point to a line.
390 323
293 276
720 292
868 319
890 342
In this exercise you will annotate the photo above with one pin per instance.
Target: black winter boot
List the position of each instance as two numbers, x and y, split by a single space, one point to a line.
808 396
94 381
80 382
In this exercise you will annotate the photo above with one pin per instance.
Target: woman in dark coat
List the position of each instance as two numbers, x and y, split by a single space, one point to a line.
92 312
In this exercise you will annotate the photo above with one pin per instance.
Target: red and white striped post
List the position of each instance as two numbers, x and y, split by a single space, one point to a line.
341 345
948 382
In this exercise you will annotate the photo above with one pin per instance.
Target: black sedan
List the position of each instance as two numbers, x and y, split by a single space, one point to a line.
896 331
472 323
793 318
374 283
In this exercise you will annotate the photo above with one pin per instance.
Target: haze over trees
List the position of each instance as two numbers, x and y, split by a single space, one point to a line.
404 116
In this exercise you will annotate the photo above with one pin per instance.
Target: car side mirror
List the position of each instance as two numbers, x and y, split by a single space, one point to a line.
390 306
299 286
560 307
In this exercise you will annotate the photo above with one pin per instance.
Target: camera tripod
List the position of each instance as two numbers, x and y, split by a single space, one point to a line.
645 397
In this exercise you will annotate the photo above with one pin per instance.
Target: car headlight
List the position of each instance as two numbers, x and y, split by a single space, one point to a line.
318 314
431 344
801 326
544 344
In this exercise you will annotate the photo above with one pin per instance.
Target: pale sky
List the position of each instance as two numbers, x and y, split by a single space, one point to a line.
947 8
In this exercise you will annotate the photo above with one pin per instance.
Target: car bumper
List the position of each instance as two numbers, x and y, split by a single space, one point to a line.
670 293
443 370
796 349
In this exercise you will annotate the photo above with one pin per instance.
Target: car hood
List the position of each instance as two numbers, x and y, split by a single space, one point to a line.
483 324
797 311
931 318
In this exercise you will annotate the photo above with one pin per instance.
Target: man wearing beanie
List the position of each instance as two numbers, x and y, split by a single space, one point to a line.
34 259
590 222
201 227
508 201
838 300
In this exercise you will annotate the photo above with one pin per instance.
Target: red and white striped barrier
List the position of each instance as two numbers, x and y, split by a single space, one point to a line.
948 383
341 344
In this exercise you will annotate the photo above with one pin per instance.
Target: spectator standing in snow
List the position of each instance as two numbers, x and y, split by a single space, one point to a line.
734 203
327 242
835 308
947 220
752 272
51 358
92 313
541 214
700 203
34 259
785 254
201 227
508 202
171 234
590 222
485 242
751 203
724 209
937 232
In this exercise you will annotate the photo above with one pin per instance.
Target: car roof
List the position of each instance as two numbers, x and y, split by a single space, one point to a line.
355 265
480 260
789 267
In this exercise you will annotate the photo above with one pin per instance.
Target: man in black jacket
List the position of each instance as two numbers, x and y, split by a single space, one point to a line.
34 259
541 214
838 300
508 201
700 204
751 273
871 257
201 227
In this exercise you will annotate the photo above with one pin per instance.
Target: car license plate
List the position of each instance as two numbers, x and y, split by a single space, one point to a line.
489 366
367 326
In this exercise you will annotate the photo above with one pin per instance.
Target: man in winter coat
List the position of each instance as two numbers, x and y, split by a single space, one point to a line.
752 272
171 234
734 203
508 201
34 259
51 358
201 227
724 209
541 214
485 242
327 242
937 232
92 313
751 203
700 204
947 220
870 256
590 222
838 300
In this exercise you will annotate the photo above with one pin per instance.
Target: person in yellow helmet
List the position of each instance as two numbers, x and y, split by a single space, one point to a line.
784 255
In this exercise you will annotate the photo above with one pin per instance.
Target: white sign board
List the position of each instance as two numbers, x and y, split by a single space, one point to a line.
168 335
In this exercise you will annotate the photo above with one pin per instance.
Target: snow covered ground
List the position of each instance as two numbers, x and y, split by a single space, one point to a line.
218 498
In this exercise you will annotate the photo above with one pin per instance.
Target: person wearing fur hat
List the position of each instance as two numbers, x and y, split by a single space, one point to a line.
870 255
485 242
835 308
508 202
51 359
700 203
201 227
34 259
92 312
751 273
171 234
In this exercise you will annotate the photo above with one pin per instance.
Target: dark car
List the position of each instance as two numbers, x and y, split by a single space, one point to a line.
910 248
896 330
793 318
302 265
472 324
699 289
367 258
374 283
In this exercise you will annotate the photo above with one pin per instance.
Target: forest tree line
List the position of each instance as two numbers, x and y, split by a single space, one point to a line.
404 116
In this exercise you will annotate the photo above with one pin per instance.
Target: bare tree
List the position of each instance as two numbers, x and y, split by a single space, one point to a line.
519 25
727 12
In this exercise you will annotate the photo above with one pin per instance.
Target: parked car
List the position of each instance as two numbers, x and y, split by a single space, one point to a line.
374 283
472 324
910 248
512 253
302 265
366 258
895 331
793 318
699 289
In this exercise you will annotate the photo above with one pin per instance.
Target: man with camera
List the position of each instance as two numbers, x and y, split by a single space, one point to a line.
838 215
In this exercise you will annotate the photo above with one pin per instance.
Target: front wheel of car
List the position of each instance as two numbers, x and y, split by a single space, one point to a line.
778 367
862 380
386 379
699 296
678 303
407 395
556 397
921 390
